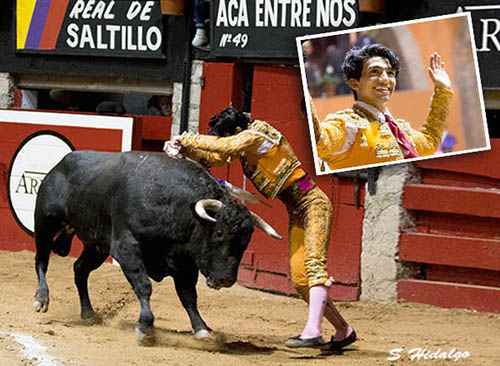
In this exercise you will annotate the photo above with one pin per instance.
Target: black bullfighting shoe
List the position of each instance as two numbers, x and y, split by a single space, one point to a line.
334 345
297 342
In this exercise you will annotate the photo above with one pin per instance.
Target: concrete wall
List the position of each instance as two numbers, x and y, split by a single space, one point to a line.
194 102
384 219
6 90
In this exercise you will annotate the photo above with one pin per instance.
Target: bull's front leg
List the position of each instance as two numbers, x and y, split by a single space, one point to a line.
185 285
127 253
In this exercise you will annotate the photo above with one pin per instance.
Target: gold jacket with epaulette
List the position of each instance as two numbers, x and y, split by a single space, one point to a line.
267 158
360 136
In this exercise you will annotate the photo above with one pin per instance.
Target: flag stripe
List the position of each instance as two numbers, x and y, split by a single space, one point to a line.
24 12
37 24
55 19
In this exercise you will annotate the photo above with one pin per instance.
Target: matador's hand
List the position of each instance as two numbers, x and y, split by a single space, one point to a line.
437 73
173 147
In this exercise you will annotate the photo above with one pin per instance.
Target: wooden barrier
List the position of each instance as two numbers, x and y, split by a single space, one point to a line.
456 241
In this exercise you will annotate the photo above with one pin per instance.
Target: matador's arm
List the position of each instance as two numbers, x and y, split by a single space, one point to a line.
217 151
206 158
428 139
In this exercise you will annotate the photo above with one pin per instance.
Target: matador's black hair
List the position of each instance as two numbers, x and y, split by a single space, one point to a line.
226 122
356 57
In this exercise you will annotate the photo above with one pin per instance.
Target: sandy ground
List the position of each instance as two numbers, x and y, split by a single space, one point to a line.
250 326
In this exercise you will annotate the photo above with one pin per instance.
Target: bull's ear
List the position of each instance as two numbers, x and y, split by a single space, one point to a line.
202 206
264 226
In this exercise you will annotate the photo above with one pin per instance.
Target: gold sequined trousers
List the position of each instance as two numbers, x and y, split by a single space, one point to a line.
309 235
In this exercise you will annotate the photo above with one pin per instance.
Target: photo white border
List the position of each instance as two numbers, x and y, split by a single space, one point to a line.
307 97
124 124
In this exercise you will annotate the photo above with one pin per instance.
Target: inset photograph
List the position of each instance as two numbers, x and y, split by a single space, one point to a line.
393 93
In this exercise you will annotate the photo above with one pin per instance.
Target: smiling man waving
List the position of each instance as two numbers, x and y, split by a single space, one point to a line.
368 133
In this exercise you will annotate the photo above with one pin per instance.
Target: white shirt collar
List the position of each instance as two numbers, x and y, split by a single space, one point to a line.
380 116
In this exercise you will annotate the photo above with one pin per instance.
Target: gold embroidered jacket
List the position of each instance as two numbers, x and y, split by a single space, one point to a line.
266 156
355 136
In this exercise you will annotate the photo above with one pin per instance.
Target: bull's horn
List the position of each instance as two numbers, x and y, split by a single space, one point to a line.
202 206
264 226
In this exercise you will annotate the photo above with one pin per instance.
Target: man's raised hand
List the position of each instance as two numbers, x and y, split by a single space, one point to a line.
437 73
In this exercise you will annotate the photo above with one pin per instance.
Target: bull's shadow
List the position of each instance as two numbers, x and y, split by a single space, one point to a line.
218 342
235 345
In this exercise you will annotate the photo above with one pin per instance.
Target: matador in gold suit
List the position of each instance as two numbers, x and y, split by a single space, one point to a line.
368 133
361 135
270 163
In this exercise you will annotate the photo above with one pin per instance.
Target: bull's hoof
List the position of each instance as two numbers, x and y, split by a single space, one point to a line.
41 303
40 306
91 318
203 334
145 337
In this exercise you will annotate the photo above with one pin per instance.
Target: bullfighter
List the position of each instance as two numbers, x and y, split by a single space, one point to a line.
270 163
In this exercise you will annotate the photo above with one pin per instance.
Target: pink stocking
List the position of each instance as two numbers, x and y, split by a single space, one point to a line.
317 303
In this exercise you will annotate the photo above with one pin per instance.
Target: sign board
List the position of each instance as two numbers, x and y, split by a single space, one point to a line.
32 143
90 27
486 24
268 28
36 155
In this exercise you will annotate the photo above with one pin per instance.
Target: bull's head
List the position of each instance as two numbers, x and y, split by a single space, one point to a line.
232 228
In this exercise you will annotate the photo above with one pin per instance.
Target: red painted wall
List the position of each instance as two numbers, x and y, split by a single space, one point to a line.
151 132
456 243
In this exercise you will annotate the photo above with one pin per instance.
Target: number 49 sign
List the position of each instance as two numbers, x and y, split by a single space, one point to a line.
267 28
238 40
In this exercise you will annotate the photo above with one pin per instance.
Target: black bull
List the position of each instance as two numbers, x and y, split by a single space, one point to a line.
156 216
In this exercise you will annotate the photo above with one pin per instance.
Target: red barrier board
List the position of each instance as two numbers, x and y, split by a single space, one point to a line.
455 244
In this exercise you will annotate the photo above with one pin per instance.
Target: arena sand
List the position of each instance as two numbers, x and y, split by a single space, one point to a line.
250 326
